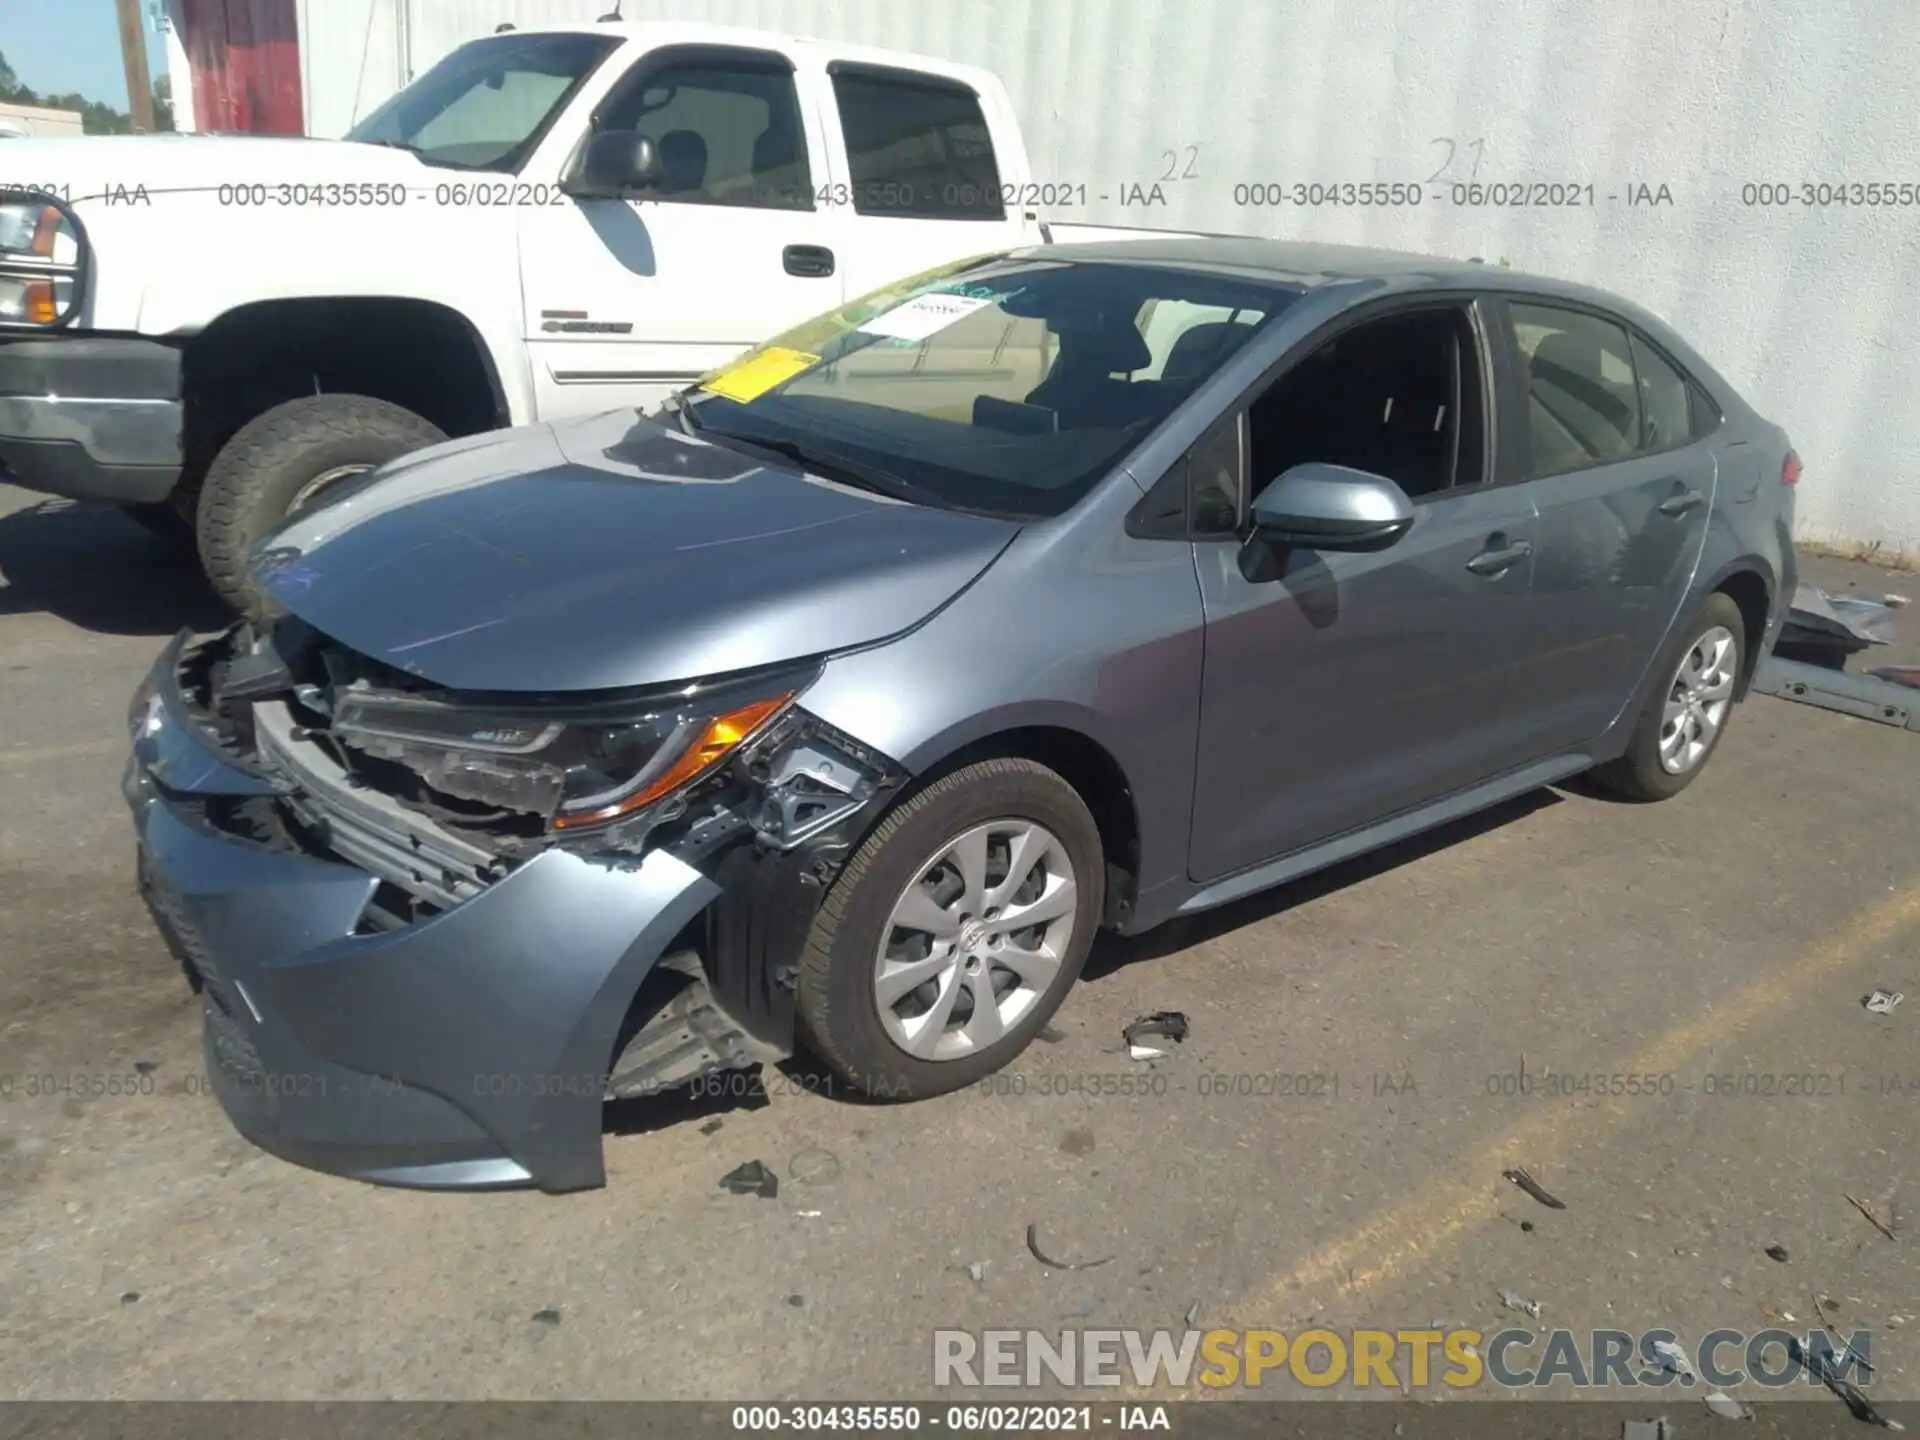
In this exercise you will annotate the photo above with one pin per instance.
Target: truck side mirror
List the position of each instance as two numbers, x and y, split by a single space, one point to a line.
613 165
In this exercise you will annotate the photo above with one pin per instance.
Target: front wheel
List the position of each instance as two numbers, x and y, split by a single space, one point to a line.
1687 713
284 460
954 932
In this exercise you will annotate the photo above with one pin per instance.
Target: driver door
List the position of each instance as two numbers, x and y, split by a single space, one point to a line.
626 301
1342 688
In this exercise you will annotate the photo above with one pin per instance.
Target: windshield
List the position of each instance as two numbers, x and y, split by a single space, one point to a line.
486 105
1006 386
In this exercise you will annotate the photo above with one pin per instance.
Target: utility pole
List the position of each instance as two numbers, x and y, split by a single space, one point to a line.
133 54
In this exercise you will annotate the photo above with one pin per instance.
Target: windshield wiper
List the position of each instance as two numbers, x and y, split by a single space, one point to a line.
683 412
857 473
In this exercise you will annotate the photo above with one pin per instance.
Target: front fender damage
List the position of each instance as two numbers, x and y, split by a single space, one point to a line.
772 832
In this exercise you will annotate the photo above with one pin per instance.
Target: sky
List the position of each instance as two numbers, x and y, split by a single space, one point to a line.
61 45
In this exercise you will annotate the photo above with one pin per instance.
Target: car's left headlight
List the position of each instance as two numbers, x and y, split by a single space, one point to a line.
40 254
576 767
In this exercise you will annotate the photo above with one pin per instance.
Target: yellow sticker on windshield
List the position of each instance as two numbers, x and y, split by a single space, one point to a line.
759 373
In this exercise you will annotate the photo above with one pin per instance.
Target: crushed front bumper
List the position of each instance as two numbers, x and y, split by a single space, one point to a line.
469 1050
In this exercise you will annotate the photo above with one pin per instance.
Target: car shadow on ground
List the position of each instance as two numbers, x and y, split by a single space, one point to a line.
93 567
1112 953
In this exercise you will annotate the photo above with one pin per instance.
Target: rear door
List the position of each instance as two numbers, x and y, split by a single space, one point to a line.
1604 432
625 301
925 167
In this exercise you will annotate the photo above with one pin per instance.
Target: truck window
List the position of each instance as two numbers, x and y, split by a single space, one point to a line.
487 104
917 146
728 130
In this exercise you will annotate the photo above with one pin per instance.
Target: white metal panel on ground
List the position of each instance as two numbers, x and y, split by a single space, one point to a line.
1806 306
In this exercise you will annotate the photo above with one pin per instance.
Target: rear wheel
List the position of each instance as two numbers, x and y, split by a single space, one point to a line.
954 932
283 461
1686 715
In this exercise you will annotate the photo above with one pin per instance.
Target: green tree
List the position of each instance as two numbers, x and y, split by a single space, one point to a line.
95 118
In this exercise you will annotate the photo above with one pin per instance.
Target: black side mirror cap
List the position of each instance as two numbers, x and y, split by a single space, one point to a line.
613 165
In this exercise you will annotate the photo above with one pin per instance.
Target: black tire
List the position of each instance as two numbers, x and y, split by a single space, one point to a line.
252 482
838 1016
1638 774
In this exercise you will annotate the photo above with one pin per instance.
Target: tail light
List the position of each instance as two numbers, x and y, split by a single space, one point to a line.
1790 469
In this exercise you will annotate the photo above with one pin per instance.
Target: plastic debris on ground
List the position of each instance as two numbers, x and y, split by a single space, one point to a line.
1674 1358
1169 1023
976 1271
1534 1188
752 1178
1725 1406
1834 626
1881 1002
1514 1300
1857 1404
1033 1248
1898 602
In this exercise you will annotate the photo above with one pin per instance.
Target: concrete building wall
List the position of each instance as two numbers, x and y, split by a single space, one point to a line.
1806 306
38 120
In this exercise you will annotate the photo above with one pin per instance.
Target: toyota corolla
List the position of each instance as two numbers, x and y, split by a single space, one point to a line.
841 703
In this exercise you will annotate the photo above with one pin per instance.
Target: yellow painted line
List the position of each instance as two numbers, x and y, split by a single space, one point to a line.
38 754
1406 1235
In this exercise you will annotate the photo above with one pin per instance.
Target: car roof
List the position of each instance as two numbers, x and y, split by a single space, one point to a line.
1307 265
656 33
1298 264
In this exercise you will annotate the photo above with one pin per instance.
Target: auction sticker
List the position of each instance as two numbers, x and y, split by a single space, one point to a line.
759 372
922 316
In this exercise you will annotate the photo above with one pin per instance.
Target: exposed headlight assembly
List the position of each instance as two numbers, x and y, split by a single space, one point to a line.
577 767
43 257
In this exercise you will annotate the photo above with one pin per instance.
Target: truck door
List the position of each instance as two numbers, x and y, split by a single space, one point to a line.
626 301
916 168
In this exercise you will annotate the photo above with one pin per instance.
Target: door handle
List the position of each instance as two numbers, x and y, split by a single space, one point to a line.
1681 503
1498 562
811 261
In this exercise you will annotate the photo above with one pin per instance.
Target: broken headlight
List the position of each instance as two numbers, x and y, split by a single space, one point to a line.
578 766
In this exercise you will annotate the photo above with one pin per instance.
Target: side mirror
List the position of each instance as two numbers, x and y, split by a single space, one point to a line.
1330 507
614 165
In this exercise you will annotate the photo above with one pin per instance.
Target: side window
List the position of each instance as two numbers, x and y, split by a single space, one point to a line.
1666 403
918 147
1583 407
729 132
1398 396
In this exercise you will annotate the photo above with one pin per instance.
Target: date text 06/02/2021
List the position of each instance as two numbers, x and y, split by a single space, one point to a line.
1035 1419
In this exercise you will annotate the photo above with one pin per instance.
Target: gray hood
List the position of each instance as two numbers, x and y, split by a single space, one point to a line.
610 552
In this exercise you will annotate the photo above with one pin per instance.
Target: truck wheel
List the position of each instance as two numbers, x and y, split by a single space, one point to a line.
283 460
954 932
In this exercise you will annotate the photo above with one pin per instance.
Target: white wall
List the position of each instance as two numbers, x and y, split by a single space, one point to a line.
1807 310
38 120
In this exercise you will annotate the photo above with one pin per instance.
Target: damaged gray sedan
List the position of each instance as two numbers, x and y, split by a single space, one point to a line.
840 704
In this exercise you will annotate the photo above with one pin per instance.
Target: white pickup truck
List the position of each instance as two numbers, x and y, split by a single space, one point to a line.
210 330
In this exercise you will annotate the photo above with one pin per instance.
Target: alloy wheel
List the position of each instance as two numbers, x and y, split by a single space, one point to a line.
975 940
1697 700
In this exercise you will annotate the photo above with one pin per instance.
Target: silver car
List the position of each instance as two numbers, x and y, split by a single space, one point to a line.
839 705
